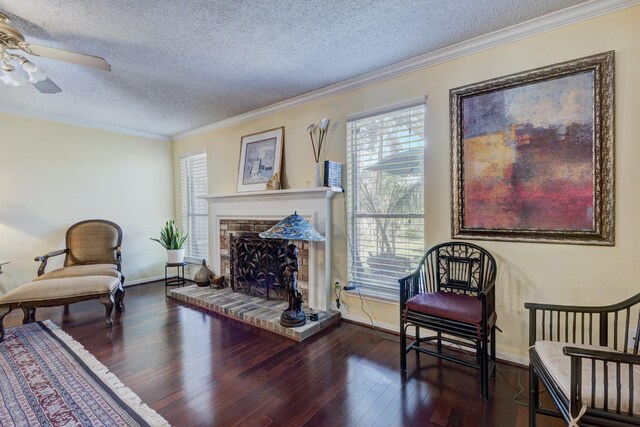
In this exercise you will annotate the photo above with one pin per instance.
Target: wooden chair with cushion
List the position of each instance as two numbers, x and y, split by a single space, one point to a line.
587 358
93 248
92 245
452 294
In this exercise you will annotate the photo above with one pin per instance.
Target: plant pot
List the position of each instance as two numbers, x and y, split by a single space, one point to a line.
175 256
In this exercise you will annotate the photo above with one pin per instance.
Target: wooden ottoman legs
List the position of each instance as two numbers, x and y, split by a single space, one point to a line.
3 312
108 301
29 315
120 298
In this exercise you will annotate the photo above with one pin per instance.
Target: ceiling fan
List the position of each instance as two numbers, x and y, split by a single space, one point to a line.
11 63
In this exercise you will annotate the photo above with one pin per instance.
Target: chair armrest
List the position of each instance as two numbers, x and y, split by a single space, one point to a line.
43 259
580 323
584 308
609 356
488 300
408 288
611 382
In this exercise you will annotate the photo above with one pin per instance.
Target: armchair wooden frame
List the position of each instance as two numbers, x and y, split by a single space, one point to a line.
604 326
464 269
118 249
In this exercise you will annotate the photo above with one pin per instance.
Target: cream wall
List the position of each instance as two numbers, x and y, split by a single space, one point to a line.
54 175
527 271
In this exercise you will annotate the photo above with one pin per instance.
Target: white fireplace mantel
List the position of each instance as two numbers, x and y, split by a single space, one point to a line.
314 204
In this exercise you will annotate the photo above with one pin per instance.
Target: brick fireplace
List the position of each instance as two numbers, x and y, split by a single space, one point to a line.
252 212
250 227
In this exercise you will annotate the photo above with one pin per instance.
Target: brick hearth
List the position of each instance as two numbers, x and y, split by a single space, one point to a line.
252 310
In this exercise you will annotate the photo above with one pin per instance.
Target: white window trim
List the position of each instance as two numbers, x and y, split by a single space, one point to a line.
371 292
185 219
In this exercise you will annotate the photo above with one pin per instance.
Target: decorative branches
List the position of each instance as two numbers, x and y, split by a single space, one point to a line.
322 131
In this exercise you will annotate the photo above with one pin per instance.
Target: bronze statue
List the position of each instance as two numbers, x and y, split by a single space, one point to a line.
293 316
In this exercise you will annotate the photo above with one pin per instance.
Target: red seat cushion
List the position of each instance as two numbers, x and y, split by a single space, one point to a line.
462 308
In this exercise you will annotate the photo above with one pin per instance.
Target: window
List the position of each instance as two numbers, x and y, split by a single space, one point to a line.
195 218
385 197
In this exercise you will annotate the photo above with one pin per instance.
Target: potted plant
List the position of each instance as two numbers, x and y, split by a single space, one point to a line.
172 239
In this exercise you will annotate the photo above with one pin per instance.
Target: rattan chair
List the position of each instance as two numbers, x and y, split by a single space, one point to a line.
452 293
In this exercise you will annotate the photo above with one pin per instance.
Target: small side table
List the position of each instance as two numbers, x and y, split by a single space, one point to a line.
179 280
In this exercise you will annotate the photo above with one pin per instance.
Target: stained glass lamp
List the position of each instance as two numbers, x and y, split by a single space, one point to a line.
293 227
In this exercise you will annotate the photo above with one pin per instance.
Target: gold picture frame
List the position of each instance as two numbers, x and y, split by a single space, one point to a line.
532 155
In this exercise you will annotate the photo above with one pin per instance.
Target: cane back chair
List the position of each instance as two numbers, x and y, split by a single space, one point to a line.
452 293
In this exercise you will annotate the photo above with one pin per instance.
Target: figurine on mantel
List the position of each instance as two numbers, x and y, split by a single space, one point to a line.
274 182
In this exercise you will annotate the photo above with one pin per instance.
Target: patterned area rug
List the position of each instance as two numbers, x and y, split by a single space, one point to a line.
48 379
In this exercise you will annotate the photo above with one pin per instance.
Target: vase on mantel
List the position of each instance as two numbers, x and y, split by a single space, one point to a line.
317 179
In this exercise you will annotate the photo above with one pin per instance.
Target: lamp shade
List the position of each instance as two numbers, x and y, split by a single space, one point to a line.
293 227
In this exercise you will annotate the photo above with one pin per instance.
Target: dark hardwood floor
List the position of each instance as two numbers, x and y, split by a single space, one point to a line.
201 369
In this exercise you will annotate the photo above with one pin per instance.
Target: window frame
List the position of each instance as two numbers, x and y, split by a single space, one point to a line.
187 201
389 291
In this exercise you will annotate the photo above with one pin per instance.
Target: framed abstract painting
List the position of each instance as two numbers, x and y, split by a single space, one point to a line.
532 155
260 158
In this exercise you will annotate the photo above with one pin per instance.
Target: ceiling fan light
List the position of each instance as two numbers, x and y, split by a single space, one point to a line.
36 74
13 78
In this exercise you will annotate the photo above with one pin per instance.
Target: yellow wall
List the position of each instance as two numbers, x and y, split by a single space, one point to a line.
54 175
527 271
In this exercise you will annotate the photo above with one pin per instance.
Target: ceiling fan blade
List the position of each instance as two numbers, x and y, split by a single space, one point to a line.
68 56
47 86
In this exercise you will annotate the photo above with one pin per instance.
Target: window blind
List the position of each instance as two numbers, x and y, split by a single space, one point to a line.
385 198
195 218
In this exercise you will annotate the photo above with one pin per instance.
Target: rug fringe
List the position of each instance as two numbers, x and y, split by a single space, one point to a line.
125 393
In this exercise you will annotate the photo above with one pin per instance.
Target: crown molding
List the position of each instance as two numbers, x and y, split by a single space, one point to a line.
562 18
83 123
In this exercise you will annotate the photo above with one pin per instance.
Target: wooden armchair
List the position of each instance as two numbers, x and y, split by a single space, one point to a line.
452 294
93 248
587 358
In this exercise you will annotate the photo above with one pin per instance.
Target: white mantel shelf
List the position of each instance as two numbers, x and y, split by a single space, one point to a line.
314 204
292 193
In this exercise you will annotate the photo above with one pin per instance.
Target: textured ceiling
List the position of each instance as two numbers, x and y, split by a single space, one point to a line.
178 65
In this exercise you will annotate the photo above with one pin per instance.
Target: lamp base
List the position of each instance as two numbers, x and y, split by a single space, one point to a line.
293 319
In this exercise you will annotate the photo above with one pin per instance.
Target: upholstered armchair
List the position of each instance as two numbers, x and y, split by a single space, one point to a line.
93 248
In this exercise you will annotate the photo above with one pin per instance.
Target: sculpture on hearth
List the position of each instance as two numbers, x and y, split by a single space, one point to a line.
293 315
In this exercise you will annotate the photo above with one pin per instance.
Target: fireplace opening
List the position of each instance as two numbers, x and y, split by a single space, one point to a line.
256 266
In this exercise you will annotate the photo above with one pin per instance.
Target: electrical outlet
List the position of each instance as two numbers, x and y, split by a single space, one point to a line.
337 284
632 338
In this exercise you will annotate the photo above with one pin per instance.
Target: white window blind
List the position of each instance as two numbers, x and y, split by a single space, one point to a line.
195 218
385 198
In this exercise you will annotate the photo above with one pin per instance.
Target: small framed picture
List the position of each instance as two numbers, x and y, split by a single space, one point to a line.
260 158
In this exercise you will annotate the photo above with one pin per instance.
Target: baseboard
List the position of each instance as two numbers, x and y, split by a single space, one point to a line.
147 280
142 281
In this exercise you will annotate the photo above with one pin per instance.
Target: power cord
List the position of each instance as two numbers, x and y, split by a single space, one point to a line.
520 388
